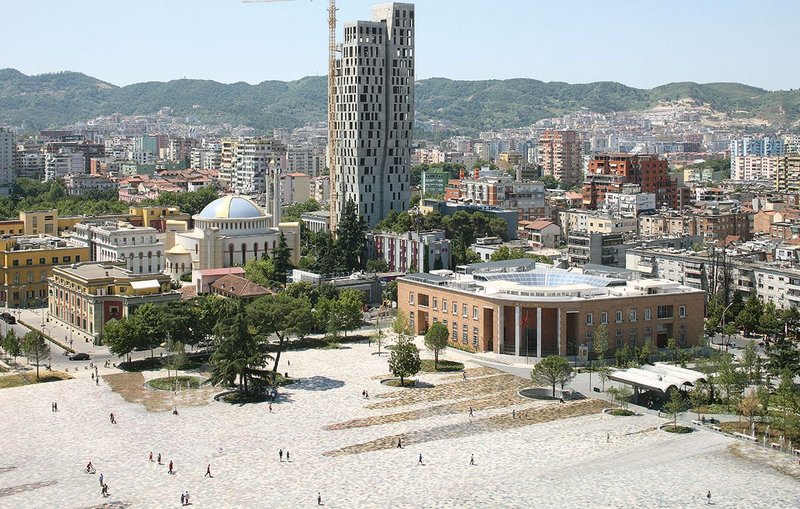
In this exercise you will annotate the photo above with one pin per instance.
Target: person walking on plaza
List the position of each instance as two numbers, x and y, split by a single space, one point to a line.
472 459
208 471
159 458
186 497
170 468
101 478
113 421
471 413
708 498
399 444
287 456
183 499
319 498
420 460
280 454
464 375
150 457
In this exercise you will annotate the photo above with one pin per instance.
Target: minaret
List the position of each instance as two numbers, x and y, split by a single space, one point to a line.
274 196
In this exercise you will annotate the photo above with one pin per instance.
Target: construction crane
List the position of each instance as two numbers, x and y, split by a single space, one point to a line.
332 48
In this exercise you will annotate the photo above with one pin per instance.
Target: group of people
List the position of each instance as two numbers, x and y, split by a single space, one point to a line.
54 407
280 455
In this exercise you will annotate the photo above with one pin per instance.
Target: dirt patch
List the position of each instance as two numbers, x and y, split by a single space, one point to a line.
132 389
472 387
527 417
781 462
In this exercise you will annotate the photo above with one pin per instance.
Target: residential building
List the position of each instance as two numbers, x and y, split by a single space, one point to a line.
305 158
87 295
202 279
62 163
180 149
29 162
317 221
375 114
764 147
631 202
511 308
754 168
609 172
27 262
423 251
238 287
788 174
321 188
540 233
295 188
596 248
115 241
559 155
255 161
83 184
714 225
527 198
434 181
592 221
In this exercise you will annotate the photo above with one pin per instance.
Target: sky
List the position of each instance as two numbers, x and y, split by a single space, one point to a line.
641 43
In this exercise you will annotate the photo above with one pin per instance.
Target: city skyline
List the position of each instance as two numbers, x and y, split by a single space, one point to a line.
573 42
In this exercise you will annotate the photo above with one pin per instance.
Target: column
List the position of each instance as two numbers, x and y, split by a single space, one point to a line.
558 330
501 326
539 333
517 331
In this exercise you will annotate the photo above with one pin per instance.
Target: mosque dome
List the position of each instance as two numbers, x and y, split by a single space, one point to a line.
231 207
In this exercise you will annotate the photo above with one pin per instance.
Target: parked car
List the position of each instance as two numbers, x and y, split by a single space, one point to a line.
8 318
79 357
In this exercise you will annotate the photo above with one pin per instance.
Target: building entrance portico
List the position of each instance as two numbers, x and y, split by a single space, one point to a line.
528 331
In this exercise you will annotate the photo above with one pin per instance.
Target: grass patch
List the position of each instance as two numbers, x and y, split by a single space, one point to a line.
621 412
761 428
18 380
395 382
444 366
677 429
716 408
242 398
193 361
168 383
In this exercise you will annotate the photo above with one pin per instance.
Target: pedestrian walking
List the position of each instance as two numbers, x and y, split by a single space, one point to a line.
208 471
53 406
92 375
97 381
113 421
471 413
104 490
101 478
170 467
150 457
186 497
708 498
399 444
608 437
288 362
366 394
513 413
280 455
420 460
287 456
183 499
464 375
270 408
472 459
363 393
319 498
159 458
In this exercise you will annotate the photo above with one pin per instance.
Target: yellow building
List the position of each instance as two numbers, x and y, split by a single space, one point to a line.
87 295
156 217
27 263
40 221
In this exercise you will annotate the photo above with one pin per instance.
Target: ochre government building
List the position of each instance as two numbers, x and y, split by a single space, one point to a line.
524 308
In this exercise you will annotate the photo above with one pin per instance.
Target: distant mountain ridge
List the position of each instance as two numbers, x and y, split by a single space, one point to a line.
57 99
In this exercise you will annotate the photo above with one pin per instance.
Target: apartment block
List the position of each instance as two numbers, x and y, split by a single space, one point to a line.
137 247
609 172
403 252
559 154
787 178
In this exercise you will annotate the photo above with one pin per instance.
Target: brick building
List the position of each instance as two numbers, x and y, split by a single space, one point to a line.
609 172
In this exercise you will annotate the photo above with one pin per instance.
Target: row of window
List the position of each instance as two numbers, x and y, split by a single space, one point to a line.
434 304
663 312
43 261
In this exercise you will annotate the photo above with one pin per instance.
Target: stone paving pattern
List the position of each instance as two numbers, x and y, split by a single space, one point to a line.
563 462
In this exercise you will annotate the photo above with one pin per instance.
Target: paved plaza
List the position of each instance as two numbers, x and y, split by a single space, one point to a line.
344 446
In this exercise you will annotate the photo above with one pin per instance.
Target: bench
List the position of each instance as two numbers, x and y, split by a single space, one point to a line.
716 428
775 445
746 437
796 451
697 423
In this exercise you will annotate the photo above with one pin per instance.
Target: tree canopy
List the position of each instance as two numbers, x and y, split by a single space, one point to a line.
436 340
404 360
552 370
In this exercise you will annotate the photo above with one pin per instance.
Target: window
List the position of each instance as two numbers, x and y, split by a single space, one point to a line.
54 260
604 318
411 298
474 312
464 310
475 337
682 339
29 261
67 259
455 308
15 263
619 343
464 334
42 261
435 303
619 316
454 336
77 258
682 311
665 311
589 336
444 305
589 319
648 314
632 315
411 320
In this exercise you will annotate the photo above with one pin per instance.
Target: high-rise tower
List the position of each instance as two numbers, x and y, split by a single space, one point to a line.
375 112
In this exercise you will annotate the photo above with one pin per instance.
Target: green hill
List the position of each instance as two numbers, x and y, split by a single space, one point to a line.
54 100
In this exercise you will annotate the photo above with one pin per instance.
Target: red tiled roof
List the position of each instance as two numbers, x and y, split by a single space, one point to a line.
239 271
236 286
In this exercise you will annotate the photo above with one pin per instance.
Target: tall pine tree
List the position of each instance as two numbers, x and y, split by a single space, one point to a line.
351 242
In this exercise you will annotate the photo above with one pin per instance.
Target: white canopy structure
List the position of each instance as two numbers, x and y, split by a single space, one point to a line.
660 377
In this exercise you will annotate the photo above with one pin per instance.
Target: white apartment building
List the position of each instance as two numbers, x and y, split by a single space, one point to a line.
592 221
423 252
251 164
295 188
375 114
139 247
754 168
83 184
62 163
320 188
631 202
6 160
305 158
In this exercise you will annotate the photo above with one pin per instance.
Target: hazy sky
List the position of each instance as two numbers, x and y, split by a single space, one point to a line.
641 43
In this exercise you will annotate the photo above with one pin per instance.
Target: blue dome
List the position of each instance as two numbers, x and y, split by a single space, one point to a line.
231 207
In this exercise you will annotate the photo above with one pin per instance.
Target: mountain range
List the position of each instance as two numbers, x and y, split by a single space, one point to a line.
58 99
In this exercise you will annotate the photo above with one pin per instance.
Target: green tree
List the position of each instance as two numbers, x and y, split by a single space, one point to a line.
672 346
552 370
351 241
749 407
436 340
404 360
769 322
239 353
787 404
782 354
675 406
748 318
11 344
400 324
749 360
377 265
603 371
621 395
549 181
292 213
281 315
35 347
263 271
600 343
697 397
730 379
282 260
346 312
